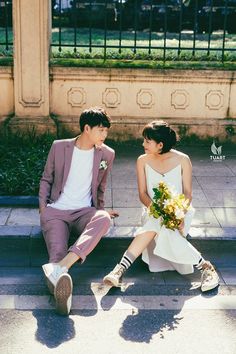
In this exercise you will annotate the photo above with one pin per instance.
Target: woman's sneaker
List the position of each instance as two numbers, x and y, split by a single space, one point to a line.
114 278
209 279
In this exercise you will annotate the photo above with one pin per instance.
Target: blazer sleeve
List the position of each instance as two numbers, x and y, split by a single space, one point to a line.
103 183
47 178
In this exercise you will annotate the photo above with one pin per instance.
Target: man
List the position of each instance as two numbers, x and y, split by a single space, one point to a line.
71 195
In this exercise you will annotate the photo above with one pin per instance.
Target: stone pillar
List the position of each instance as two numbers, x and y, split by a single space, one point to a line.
32 32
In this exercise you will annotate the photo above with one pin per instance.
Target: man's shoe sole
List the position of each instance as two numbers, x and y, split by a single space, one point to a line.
63 294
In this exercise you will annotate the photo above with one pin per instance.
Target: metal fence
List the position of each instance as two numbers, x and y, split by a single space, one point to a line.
145 29
137 29
6 37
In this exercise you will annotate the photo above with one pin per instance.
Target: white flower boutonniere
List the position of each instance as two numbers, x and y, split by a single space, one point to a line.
103 165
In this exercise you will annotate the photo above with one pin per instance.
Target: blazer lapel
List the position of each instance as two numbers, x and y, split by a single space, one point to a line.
96 164
68 157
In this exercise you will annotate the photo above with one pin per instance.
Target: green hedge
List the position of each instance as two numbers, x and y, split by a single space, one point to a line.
22 158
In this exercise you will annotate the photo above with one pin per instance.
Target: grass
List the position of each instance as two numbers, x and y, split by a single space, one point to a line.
150 46
149 54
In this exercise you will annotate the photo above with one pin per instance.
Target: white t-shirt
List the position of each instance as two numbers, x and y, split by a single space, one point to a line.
77 190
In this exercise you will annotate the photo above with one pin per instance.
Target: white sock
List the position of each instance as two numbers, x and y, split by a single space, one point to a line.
127 260
200 263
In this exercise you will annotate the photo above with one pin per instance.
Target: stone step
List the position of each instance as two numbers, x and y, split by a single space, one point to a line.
25 246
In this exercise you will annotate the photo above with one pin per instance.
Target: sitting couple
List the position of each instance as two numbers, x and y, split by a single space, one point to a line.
72 195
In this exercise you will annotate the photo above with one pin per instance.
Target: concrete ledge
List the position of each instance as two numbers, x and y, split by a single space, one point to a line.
32 201
25 246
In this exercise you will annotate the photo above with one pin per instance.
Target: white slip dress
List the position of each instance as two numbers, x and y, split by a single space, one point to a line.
169 250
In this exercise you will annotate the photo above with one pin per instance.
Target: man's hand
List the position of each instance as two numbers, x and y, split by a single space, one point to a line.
41 209
113 214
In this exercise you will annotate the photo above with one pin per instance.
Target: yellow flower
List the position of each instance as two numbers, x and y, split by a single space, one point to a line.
169 206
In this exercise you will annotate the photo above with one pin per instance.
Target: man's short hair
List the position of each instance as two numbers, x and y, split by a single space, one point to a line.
94 116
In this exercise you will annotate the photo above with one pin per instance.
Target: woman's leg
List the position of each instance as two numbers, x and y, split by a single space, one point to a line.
134 250
140 242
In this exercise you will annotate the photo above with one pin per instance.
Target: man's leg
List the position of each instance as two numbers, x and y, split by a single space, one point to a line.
56 234
95 224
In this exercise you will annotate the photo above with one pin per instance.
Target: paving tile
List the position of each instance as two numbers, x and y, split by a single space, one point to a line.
108 199
126 182
128 217
195 185
225 216
221 198
221 183
4 214
230 163
14 231
204 217
199 199
213 232
123 198
108 181
212 169
122 231
24 216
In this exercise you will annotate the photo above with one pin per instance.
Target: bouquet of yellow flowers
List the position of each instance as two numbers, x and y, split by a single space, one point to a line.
169 206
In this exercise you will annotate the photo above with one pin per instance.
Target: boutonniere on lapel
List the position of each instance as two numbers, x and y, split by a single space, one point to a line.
103 165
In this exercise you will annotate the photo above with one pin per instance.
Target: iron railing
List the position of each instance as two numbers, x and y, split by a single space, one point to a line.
160 29
6 40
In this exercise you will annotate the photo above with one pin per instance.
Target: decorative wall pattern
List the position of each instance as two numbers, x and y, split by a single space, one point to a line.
145 98
111 97
180 99
76 96
214 99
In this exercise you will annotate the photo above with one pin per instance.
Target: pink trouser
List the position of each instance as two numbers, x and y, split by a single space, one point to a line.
91 224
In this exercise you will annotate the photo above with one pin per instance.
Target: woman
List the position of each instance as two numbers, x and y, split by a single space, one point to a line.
161 249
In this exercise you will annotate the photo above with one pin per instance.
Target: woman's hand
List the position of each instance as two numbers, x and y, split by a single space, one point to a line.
181 227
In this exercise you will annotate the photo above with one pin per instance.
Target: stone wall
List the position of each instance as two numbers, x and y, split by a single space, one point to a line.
51 99
196 102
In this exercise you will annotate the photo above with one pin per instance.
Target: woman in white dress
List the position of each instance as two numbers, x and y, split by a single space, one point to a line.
163 249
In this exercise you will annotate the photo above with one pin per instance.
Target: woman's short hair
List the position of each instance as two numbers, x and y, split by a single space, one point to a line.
94 116
159 131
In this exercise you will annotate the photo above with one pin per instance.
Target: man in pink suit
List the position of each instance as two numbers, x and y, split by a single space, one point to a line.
71 194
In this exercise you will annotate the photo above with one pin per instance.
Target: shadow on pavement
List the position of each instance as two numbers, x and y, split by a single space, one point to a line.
142 324
52 329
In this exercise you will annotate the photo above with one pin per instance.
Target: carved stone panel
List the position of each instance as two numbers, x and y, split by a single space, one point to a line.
214 99
180 99
111 97
145 98
76 96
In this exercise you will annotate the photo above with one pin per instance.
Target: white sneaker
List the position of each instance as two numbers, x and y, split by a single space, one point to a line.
63 294
209 279
53 271
114 278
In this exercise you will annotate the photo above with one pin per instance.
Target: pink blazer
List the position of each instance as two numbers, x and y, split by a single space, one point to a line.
57 169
